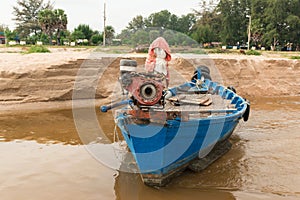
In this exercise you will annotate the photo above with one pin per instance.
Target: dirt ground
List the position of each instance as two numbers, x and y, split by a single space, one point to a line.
50 77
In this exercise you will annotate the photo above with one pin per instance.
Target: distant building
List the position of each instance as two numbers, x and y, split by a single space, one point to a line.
2 38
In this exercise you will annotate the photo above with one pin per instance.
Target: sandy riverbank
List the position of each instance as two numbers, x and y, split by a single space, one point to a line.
47 80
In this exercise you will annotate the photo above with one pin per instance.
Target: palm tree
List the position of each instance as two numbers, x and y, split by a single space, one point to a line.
47 21
109 33
61 22
51 21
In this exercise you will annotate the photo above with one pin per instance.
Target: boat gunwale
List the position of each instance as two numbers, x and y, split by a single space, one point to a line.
237 113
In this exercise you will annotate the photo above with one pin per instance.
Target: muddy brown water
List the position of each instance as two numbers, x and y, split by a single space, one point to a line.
42 157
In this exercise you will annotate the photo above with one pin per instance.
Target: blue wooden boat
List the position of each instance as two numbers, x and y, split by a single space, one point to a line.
168 130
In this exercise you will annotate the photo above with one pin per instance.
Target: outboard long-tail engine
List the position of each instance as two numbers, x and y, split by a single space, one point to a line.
146 89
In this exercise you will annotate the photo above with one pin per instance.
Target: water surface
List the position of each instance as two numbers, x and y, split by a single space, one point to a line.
42 157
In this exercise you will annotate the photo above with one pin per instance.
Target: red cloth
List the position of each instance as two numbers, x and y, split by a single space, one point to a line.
160 42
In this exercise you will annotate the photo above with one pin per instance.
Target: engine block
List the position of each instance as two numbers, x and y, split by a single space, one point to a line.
146 89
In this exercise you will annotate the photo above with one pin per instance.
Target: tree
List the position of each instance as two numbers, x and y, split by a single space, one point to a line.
11 35
282 22
96 38
294 29
160 19
153 34
65 36
60 23
163 20
274 22
208 26
258 16
184 40
174 22
86 30
109 33
53 21
169 35
234 21
76 35
136 23
203 34
185 23
140 37
46 20
26 15
125 36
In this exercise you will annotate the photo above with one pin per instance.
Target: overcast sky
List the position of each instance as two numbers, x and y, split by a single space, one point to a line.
119 12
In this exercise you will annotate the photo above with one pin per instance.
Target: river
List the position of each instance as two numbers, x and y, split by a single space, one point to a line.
42 157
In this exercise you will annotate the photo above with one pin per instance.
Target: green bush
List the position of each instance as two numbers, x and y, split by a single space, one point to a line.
96 39
253 52
295 57
38 49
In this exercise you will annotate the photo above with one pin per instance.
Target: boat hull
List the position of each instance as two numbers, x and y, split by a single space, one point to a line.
161 151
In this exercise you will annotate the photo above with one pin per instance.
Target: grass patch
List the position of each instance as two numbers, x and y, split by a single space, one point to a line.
218 50
189 50
253 53
38 49
114 49
197 51
295 57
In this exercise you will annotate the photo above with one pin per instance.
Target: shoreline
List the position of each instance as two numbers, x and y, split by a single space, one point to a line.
36 107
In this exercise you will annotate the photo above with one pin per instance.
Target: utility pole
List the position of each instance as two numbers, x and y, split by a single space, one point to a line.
249 30
104 34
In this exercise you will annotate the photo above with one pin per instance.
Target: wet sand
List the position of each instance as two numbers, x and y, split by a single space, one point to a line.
42 158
